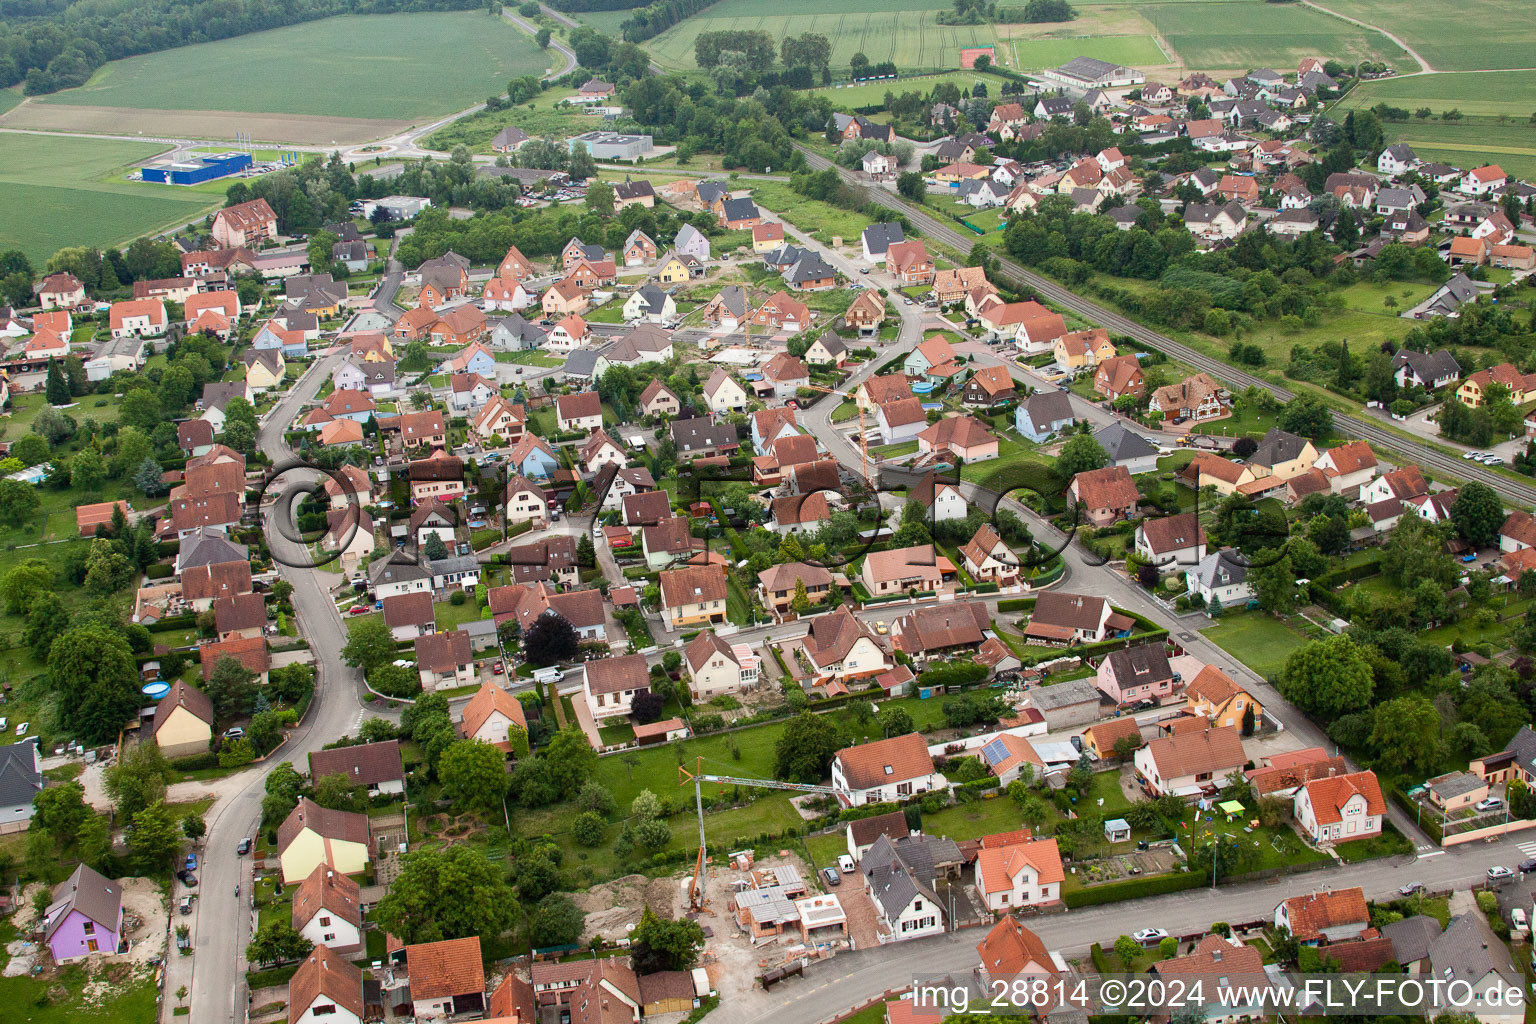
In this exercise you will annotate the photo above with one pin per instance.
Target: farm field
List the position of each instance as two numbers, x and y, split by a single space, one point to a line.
1140 51
1490 93
870 93
395 83
1471 141
1454 36
909 35
606 22
1239 36
60 191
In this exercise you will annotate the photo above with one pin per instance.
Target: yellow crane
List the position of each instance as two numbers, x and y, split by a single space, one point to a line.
869 478
698 776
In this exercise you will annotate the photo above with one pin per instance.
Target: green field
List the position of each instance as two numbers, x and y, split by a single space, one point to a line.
1489 93
59 191
1454 36
1048 53
606 22
871 93
391 66
909 36
1250 35
1471 141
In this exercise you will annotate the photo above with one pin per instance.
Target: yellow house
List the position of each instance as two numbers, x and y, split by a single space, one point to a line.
694 595
1215 696
1471 390
1207 470
1080 350
672 270
1282 455
312 835
183 722
264 368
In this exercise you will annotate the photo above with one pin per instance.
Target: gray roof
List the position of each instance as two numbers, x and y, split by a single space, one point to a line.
900 871
1317 80
454 563
1088 68
20 776
1122 443
1396 198
809 267
734 298
687 233
97 897
1124 214
582 362
397 568
654 298
1278 446
511 135
878 237
1149 661
786 256
1046 407
699 433
595 253
209 547
740 209
769 905
709 191
1523 747
1411 937
1427 366
1402 151
1220 569
1460 288
1062 695
217 393
1054 105
516 325
1455 784
1468 951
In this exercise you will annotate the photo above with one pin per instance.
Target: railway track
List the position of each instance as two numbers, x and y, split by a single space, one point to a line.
1354 427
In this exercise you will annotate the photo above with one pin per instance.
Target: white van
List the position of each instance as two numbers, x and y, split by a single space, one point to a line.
1519 926
547 675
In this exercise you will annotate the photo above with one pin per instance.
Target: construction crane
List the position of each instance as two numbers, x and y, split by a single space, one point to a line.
698 777
863 430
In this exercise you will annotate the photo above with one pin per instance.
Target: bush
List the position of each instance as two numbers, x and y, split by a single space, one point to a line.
1134 889
458 598
1016 605
195 762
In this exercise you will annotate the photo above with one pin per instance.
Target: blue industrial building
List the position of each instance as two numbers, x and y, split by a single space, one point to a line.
207 168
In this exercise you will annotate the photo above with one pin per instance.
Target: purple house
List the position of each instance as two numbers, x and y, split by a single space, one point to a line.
86 916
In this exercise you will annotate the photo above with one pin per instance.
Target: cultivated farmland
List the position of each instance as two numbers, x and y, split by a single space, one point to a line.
1510 94
1452 36
1136 51
58 191
908 36
1471 141
387 67
1242 36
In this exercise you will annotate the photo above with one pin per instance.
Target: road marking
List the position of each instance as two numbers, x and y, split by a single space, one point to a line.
1436 853
1529 849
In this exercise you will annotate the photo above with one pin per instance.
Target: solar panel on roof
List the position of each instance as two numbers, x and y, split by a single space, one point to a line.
996 752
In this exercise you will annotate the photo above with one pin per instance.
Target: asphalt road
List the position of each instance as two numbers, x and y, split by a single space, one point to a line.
1349 426
221 924
851 978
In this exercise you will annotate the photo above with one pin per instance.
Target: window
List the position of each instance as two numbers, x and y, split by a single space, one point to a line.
323 1010
90 928
325 922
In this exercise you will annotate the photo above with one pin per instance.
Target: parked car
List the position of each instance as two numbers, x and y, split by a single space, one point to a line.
1519 925
1147 936
846 863
1411 889
234 733
186 905
358 609
1493 803
1472 455
831 875
244 847
188 879
21 730
1499 873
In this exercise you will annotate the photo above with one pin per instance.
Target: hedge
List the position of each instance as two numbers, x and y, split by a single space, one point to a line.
1016 605
1114 892
159 571
265 979
195 762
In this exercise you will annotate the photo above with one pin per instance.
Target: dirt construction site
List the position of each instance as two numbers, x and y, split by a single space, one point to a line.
144 926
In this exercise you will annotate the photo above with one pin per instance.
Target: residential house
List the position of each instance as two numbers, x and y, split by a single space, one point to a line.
901 876
526 501
782 312
691 241
900 570
1105 495
1216 697
723 393
895 768
183 723
767 237
651 304
496 717
716 667
610 685
928 632
728 309
1348 467
564 298
409 615
828 349
1117 376
144 318
658 400
250 652
1334 915
1043 414
60 290
244 225
85 917
778 585
375 767
569 333
843 649
988 387
312 835
1469 953
1196 398
1481 181
1080 350
988 559
951 286
1340 808
469 391
910 262
601 450
581 411
960 437
446 979
1189 764
1402 484
1220 580
1062 618
327 910
1282 455
693 595
1021 874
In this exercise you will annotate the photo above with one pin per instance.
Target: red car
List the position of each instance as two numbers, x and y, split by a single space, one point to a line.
498 669
358 609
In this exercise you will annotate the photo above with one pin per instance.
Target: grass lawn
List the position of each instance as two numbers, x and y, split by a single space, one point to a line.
893 451
972 821
1489 93
397 80
545 114
132 999
821 220
451 616
1242 421
655 768
1257 639
529 358
60 191
845 411
870 93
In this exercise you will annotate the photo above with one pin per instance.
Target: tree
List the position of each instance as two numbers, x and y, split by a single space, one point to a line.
56 389
652 835
1079 455
909 184
31 449
570 759
446 894
542 37
93 842
91 669
277 941
474 775
339 793
805 748
1328 678
141 408
660 945
646 806
370 644
107 570
61 810
18 502
1127 950
1477 514
138 779
47 620
22 585
1406 733
231 686
156 838
556 921
588 829
535 874
149 478
434 548
596 798
550 639
600 198
896 721
1305 414
646 707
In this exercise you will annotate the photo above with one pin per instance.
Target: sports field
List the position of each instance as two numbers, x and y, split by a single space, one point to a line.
1241 36
59 191
896 31
395 67
1452 35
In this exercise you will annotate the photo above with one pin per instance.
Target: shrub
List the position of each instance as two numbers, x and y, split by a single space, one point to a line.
458 598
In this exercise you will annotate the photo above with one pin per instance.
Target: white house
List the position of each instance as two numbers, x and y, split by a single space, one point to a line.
716 667
610 685
723 393
327 910
1172 540
1340 807
1190 764
894 768
1019 875
1221 577
326 989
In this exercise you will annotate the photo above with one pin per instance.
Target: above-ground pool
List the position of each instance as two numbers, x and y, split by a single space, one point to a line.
157 689
922 387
